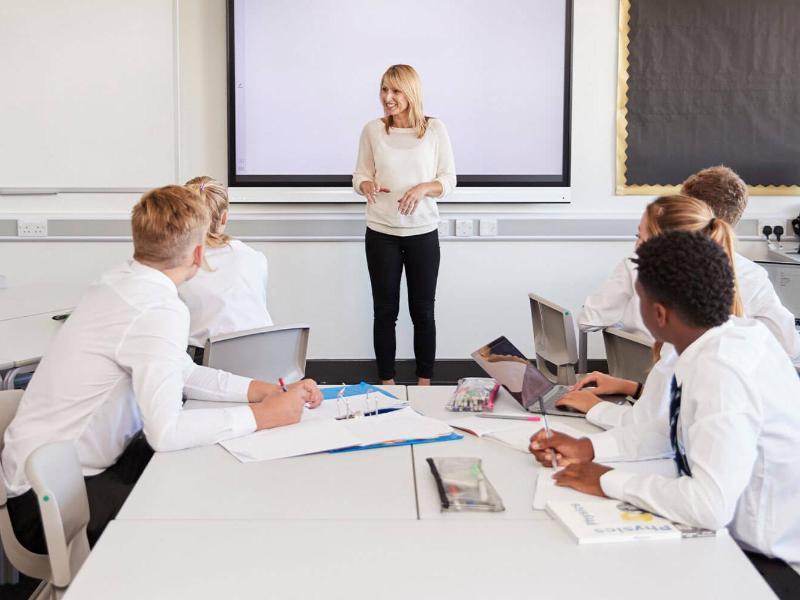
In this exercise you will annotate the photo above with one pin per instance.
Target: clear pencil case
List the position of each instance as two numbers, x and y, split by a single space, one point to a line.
463 486
474 394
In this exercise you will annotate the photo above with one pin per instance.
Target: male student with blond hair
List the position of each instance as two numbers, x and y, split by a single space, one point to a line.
119 369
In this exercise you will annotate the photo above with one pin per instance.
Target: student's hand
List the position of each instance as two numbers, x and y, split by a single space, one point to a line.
411 199
370 188
569 451
581 400
283 408
602 384
584 478
309 387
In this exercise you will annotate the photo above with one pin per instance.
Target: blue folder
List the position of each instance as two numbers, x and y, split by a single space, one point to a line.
443 438
353 390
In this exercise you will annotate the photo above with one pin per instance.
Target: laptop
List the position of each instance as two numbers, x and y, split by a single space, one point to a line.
524 381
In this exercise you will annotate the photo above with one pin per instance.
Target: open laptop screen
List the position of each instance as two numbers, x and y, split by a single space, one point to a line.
506 364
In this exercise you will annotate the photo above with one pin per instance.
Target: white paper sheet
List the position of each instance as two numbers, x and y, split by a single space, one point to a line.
305 437
320 435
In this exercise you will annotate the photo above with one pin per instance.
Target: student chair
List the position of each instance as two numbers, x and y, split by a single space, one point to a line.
554 336
267 353
629 355
31 564
56 477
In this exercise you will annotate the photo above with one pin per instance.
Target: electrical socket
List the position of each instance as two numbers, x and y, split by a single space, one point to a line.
444 228
32 227
487 227
464 227
788 233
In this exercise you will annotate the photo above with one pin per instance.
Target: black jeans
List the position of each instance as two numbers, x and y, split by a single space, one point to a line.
386 257
107 492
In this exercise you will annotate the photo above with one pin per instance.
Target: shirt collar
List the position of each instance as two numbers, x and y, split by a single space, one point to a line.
152 274
689 355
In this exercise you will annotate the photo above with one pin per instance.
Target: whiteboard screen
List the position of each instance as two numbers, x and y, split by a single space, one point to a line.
88 94
306 76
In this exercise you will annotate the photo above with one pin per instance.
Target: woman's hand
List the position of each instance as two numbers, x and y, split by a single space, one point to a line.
411 199
370 188
602 384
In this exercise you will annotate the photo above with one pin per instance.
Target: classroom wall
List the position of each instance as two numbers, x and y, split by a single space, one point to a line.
483 284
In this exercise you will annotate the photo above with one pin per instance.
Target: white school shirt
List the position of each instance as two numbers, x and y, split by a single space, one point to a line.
616 303
119 365
231 297
398 161
759 302
739 426
652 404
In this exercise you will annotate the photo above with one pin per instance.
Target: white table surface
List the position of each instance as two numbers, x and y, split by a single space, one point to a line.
36 298
512 472
24 340
209 483
401 560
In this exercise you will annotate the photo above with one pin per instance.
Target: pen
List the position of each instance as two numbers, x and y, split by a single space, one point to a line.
282 384
547 432
512 417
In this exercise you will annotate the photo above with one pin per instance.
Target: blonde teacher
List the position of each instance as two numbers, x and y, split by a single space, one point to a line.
405 163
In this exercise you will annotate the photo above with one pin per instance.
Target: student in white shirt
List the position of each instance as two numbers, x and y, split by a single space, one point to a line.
616 302
118 368
734 417
230 295
668 213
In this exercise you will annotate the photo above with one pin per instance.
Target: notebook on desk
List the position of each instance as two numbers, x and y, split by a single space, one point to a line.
526 383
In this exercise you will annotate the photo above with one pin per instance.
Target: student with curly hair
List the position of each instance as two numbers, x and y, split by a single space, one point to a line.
730 430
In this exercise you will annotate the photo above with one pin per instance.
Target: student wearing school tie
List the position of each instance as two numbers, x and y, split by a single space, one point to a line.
734 415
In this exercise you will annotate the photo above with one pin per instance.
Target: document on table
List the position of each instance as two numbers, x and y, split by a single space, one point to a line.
547 490
319 435
515 434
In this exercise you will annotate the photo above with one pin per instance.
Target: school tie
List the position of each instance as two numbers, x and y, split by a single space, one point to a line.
674 413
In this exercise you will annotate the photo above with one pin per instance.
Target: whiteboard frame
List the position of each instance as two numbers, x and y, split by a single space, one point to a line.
501 188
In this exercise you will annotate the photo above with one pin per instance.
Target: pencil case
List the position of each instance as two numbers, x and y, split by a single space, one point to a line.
463 486
474 394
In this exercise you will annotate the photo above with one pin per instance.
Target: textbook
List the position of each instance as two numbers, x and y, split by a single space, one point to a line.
515 434
606 520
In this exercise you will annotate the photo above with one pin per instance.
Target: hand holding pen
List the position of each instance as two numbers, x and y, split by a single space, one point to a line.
565 450
307 388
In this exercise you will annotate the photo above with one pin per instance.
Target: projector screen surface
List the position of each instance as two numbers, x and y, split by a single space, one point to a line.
306 78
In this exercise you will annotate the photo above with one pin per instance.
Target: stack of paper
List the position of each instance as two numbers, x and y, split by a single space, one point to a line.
318 435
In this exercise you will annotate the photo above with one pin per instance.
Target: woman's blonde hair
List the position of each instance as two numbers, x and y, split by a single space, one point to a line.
684 213
406 79
215 196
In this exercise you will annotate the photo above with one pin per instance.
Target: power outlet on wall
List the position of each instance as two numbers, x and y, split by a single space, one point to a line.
772 224
487 227
444 228
464 227
32 227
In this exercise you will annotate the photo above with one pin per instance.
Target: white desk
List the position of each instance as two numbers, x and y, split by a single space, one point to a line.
400 560
23 342
37 298
209 483
512 473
